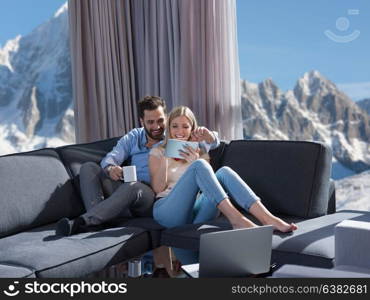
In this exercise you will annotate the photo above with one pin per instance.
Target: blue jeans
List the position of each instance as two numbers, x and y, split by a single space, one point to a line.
177 208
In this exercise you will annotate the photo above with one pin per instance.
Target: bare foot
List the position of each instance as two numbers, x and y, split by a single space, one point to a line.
281 225
234 216
243 223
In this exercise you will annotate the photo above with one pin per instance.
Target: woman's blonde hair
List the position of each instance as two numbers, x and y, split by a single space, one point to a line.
178 112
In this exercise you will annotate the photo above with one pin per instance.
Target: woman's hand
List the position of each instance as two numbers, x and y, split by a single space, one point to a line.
190 154
202 134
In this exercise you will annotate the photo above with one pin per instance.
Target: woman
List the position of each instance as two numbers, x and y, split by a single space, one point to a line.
177 183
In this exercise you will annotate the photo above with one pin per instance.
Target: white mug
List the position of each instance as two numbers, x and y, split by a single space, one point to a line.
129 173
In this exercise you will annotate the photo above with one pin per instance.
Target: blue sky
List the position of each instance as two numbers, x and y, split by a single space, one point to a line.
22 16
285 39
277 39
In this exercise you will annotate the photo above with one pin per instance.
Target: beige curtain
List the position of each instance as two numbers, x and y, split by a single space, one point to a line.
210 77
102 68
157 47
182 50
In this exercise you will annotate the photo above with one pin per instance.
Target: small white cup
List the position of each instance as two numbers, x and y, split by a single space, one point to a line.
129 174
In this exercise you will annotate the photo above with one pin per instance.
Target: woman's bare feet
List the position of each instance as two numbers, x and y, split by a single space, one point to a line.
281 225
234 216
242 222
258 210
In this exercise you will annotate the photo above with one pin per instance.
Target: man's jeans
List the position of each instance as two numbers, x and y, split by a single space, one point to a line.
106 199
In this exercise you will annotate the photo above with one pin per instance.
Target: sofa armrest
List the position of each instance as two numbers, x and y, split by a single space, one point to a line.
332 200
352 244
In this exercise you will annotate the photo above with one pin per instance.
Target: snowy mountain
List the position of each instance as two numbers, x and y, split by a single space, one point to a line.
364 104
36 89
314 110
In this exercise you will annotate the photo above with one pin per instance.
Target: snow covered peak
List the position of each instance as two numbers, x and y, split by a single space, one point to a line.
5 52
313 82
12 45
313 74
269 89
246 85
269 83
61 10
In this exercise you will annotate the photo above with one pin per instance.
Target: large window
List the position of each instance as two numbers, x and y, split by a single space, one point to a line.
305 76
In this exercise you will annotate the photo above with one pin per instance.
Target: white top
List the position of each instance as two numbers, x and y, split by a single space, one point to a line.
175 169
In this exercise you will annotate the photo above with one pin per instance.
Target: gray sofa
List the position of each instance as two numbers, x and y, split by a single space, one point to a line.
352 254
38 188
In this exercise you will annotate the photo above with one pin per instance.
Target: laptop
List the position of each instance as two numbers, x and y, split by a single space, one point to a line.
233 253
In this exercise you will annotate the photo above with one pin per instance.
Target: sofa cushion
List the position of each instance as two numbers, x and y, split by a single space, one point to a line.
73 156
35 189
149 224
74 256
314 239
11 271
187 236
312 244
291 177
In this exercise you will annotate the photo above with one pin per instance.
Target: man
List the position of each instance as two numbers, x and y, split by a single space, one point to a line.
106 197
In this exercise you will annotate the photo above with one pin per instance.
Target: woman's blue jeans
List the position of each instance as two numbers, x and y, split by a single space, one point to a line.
182 206
177 208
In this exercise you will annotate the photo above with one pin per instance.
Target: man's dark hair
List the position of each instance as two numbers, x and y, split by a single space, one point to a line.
150 103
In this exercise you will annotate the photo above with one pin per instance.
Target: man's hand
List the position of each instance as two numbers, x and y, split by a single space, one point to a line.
202 134
115 172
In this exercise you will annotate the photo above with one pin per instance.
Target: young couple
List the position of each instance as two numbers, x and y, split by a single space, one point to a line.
167 188
176 183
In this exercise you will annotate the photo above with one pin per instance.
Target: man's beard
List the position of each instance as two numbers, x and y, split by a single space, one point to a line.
154 137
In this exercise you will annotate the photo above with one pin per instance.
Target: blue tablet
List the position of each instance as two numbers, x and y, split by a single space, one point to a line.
173 146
